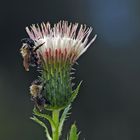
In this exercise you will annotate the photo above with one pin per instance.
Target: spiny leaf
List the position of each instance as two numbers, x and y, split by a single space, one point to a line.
43 125
45 116
64 116
75 92
73 133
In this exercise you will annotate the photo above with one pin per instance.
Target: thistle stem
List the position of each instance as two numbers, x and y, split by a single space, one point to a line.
55 131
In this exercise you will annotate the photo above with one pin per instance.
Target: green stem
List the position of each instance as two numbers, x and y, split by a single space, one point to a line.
55 131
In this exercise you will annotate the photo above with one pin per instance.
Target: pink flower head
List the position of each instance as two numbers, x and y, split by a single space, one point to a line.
64 41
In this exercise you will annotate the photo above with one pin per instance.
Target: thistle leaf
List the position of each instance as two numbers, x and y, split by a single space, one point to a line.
43 125
75 92
73 135
45 116
64 116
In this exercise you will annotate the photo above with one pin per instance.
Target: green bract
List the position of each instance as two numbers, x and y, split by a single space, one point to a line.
58 85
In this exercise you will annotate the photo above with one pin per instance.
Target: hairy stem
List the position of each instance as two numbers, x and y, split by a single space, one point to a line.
55 131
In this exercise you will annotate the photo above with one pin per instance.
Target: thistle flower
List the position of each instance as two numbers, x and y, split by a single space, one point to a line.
55 49
62 42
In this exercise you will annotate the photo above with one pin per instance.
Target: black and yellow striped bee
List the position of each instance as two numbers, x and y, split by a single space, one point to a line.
28 51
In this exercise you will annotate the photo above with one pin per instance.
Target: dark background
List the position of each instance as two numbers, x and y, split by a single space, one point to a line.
108 106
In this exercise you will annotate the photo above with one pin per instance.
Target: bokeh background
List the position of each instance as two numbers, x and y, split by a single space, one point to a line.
108 106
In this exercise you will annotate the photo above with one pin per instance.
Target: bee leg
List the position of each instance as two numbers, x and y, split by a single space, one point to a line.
36 48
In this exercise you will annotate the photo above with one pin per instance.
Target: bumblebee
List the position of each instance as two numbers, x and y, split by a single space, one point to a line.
28 52
36 90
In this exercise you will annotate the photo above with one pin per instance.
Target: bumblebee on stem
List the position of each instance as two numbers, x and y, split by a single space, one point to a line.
28 51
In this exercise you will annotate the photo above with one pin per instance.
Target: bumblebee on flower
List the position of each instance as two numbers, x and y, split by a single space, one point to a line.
54 50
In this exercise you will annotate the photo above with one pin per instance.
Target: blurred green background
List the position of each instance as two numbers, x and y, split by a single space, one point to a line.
107 107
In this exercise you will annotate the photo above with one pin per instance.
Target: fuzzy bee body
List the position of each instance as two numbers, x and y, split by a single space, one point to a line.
39 102
28 51
28 41
37 97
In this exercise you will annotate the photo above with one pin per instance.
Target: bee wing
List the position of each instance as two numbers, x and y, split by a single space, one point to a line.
24 50
26 62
